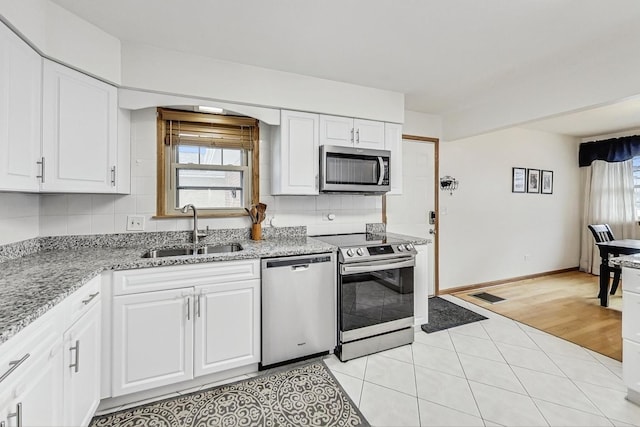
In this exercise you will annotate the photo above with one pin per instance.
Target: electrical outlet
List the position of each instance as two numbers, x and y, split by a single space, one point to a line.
135 223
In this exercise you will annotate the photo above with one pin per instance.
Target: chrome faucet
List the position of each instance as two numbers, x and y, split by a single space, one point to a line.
196 233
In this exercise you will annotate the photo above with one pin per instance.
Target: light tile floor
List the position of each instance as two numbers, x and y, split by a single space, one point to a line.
496 372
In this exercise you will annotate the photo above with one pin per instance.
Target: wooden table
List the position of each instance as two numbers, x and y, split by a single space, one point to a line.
616 247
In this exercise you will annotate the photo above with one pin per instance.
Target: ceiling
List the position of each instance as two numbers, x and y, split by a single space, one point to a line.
445 56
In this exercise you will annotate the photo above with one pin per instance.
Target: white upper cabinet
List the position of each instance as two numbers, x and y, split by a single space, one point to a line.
393 143
79 132
294 154
20 89
349 132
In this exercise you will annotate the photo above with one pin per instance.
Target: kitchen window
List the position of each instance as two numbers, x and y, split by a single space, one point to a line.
207 160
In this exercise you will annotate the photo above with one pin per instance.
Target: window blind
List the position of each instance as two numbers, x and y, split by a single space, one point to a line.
208 130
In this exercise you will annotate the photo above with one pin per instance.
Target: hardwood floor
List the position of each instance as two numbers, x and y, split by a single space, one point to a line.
564 305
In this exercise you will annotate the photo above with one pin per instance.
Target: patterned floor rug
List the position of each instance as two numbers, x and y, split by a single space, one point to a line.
444 315
307 395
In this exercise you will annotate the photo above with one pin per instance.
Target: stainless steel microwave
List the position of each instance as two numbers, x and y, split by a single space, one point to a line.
354 170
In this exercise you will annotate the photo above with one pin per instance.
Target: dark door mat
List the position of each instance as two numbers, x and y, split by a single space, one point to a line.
488 297
444 315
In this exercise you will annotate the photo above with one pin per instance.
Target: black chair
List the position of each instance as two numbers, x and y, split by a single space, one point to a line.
603 233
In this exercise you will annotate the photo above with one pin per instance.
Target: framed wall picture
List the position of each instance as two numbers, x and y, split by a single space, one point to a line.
518 180
546 182
533 180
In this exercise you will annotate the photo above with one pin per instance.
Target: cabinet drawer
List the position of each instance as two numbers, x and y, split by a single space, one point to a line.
631 279
82 300
631 316
18 355
164 278
631 366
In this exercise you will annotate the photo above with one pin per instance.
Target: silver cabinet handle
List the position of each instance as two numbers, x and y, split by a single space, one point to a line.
76 364
13 366
188 308
358 136
352 130
113 176
198 305
41 163
17 414
91 297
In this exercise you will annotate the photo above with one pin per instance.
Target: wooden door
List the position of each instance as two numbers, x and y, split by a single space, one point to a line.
409 213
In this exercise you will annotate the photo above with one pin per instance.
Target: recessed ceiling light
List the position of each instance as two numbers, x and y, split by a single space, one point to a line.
205 109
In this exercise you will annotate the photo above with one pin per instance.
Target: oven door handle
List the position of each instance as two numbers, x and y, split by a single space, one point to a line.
381 163
367 267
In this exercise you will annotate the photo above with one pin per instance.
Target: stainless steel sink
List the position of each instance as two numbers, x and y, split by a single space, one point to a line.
216 249
209 249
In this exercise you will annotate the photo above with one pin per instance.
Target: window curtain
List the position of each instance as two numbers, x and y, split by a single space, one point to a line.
608 199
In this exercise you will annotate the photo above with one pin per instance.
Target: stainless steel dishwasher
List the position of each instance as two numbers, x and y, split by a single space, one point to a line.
299 307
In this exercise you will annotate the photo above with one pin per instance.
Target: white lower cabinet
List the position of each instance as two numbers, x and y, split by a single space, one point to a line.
227 327
152 340
82 349
167 336
34 398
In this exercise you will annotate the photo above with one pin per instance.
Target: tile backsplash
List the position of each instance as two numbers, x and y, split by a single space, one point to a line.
71 214
19 217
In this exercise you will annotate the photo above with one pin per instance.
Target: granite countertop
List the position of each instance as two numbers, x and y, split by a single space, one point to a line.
35 282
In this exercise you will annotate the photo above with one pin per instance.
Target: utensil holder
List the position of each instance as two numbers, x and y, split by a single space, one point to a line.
256 231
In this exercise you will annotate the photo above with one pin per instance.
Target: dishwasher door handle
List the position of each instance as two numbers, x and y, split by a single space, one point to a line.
301 267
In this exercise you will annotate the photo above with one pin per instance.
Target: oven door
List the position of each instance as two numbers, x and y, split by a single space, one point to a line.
375 297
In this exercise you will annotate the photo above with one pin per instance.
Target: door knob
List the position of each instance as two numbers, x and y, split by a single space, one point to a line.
432 231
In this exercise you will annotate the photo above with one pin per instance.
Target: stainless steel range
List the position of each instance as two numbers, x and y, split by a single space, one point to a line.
375 293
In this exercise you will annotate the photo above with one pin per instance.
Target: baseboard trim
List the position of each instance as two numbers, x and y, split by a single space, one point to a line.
503 281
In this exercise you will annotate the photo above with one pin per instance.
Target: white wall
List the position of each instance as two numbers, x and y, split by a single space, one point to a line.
61 35
154 69
62 214
18 217
486 231
422 124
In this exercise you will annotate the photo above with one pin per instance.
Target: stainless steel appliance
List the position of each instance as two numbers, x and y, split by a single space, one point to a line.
375 293
354 170
298 307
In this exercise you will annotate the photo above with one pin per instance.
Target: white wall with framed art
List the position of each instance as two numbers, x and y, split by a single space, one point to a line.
546 182
533 180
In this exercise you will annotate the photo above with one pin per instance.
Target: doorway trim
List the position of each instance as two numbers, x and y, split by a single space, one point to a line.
436 192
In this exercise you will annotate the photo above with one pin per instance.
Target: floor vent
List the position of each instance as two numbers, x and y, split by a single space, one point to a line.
488 297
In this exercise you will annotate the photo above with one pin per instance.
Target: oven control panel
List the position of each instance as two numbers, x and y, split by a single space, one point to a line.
378 251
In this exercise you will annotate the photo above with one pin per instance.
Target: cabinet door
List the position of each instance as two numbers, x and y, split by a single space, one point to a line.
227 326
82 349
20 86
152 340
369 134
80 136
335 130
35 398
393 143
295 155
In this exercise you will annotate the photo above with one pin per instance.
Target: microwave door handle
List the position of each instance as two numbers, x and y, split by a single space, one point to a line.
381 163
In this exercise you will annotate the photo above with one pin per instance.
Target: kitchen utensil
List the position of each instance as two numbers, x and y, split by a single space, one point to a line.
253 218
261 208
